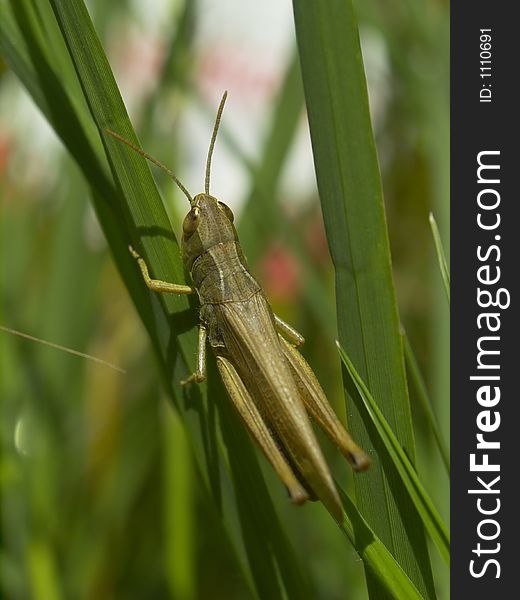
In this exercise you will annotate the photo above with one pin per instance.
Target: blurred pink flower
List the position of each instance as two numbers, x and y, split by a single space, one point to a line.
280 274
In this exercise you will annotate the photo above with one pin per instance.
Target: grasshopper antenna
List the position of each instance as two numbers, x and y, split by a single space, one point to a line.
212 143
153 160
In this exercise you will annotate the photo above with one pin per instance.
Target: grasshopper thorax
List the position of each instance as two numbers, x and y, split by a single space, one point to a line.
209 222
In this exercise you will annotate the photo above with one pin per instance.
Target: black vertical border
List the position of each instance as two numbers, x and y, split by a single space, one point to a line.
477 126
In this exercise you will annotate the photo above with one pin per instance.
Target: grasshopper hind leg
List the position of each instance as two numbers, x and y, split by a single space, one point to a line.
320 410
250 415
294 336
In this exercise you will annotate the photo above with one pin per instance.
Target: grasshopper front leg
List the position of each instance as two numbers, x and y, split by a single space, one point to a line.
165 287
250 415
200 373
157 285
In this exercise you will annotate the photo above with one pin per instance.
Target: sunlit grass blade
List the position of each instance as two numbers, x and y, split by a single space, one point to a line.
397 457
368 323
441 258
425 402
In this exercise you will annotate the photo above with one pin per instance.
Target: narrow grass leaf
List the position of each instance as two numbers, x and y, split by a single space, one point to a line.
422 502
441 258
425 402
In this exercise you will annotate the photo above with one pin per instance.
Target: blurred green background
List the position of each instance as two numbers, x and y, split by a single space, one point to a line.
100 497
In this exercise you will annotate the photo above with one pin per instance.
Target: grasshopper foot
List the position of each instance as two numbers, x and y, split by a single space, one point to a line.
196 377
133 252
358 460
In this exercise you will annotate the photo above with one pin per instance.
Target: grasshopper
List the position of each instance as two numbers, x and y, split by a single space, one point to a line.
269 383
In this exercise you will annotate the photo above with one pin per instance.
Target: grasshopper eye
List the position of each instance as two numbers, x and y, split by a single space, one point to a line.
226 210
191 221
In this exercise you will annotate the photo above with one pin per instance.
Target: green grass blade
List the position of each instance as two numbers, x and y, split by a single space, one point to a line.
425 402
441 258
397 457
368 323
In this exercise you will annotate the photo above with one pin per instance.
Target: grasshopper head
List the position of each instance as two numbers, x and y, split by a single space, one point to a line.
209 222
